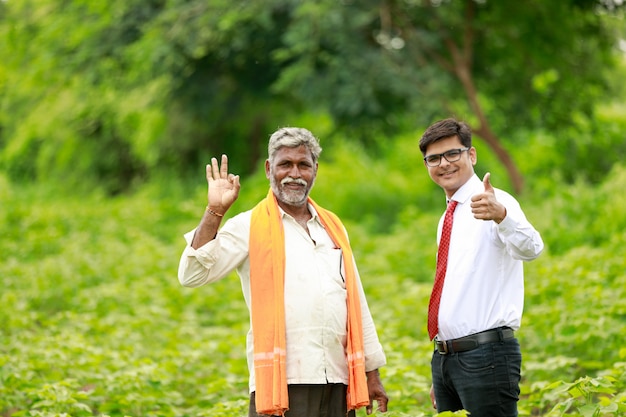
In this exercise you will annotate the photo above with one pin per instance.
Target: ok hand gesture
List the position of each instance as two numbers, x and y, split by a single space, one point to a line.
223 188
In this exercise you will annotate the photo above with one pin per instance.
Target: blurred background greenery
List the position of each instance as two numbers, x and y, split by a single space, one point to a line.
109 112
120 93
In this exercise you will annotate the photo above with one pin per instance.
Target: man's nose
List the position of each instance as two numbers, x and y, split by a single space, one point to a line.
294 171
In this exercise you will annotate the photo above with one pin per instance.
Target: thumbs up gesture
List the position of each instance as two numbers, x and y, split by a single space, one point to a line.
485 206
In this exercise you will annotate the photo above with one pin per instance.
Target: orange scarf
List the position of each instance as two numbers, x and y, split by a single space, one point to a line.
267 277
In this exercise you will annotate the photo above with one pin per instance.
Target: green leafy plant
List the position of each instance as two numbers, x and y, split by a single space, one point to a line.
95 323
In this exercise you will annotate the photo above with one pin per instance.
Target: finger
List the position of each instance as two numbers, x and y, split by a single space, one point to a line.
215 172
224 167
368 409
382 405
487 182
432 397
209 176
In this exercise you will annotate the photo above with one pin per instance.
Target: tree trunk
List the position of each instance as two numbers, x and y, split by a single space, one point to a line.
462 69
458 63
463 73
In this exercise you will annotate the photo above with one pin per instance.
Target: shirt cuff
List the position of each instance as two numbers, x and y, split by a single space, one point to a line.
507 225
204 254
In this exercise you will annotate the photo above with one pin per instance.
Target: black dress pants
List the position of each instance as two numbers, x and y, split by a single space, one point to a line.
316 400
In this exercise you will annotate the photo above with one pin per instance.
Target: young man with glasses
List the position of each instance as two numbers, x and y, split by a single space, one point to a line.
478 296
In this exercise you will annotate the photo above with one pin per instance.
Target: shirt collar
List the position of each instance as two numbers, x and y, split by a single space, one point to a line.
314 215
466 191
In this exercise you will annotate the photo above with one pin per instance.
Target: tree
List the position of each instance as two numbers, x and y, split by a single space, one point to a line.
503 65
116 91
119 90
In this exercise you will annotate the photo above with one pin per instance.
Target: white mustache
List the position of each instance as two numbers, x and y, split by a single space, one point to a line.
289 180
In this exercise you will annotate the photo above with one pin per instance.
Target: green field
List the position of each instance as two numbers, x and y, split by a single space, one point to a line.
94 321
110 109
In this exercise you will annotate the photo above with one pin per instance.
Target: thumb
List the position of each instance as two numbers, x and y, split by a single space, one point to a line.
487 183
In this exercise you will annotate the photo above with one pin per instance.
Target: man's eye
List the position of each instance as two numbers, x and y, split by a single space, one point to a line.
433 158
454 152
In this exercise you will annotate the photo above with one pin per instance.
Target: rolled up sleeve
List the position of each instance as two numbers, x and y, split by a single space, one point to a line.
217 258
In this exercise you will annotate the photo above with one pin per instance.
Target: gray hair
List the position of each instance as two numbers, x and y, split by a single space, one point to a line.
292 137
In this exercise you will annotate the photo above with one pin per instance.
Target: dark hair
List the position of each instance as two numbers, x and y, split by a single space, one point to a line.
444 129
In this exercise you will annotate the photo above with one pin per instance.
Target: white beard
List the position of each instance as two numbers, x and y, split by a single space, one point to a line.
290 197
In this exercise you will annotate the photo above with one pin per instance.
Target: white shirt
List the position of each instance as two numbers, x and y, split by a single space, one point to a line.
484 283
315 296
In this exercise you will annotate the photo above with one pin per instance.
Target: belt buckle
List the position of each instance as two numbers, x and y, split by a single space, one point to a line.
442 347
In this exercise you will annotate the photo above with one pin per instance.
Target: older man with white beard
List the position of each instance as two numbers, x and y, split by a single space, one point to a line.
312 346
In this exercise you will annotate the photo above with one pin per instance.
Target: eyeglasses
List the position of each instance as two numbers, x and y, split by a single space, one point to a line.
452 155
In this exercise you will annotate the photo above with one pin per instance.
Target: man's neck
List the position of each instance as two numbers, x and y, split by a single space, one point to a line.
295 211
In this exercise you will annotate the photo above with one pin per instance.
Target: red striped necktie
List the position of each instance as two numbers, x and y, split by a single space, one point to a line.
442 266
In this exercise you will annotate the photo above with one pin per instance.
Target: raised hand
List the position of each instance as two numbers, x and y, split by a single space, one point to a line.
485 206
223 188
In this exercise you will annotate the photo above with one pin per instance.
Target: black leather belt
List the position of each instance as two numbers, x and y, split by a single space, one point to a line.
463 344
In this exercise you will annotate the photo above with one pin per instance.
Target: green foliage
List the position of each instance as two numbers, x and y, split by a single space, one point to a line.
384 61
74 111
381 185
88 320
112 93
108 93
592 214
95 322
585 397
585 152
